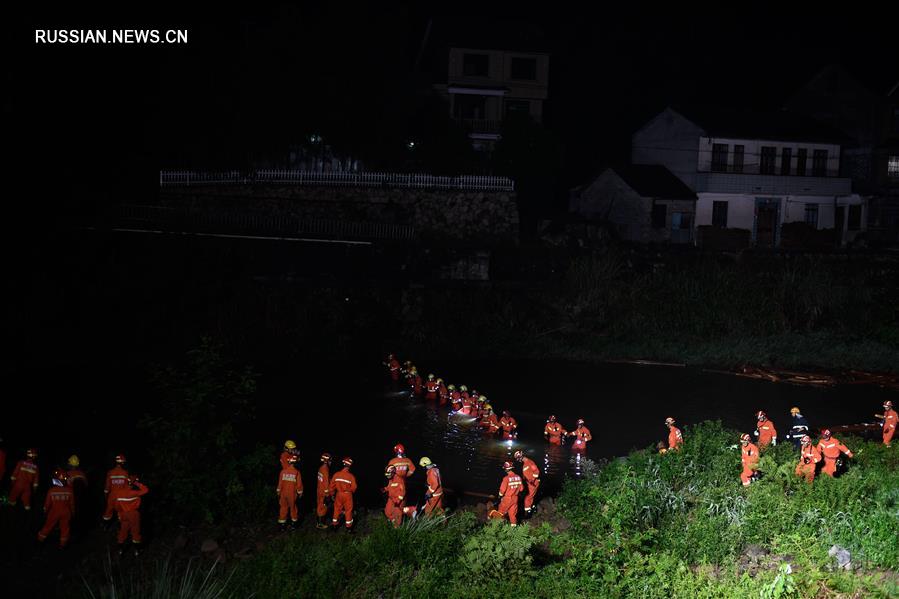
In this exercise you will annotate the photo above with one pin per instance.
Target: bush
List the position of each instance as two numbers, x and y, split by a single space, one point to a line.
499 550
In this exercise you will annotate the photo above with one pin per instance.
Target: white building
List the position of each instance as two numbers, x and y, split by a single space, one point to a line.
755 171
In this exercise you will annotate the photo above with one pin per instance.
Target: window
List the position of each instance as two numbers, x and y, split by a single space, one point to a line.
819 163
811 215
786 155
738 159
719 158
475 65
659 216
523 68
893 167
855 217
681 221
769 155
466 106
719 214
522 107
801 159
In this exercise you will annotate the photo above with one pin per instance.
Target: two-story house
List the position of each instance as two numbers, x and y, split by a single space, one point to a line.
486 85
754 171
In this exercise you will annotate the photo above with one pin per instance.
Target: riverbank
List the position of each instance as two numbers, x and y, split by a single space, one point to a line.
648 525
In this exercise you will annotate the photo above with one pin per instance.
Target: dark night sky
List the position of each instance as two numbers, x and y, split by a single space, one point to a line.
108 117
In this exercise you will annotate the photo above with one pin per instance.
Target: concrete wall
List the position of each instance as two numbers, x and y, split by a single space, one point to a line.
481 218
671 140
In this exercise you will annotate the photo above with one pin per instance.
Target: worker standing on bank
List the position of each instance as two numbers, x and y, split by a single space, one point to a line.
831 448
531 474
508 496
675 437
116 482
582 436
749 457
128 509
889 418
342 487
809 457
404 466
509 425
434 492
765 430
290 489
322 490
396 508
24 478
59 507
553 431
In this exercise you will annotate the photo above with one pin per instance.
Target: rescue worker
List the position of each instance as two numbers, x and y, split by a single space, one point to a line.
59 507
128 509
24 479
431 388
765 430
74 475
290 449
749 457
799 427
407 367
531 474
509 425
675 437
455 398
480 409
508 495
323 491
415 382
831 448
342 487
809 457
396 506
404 466
434 493
442 391
463 393
553 431
889 418
116 481
393 367
489 421
581 436
290 488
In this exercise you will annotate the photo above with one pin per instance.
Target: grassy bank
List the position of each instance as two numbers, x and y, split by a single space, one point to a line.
648 525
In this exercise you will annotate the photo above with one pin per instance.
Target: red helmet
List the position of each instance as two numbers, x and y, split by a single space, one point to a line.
326 457
398 448
507 465
31 453
826 433
888 405
120 459
760 415
745 438
390 471
347 461
669 420
518 455
805 440
552 418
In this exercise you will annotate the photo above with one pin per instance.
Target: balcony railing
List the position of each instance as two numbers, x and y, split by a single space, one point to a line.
755 169
751 183
480 125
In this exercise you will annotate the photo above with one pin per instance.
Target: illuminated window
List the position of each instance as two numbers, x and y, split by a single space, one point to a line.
893 167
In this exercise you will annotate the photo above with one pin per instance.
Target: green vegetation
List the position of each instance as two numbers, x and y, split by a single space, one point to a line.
649 525
161 580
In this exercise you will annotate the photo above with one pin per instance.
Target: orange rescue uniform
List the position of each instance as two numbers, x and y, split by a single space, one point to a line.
404 466
808 461
116 481
431 388
749 456
509 425
767 433
675 438
342 487
554 433
290 486
435 491
24 481
489 423
128 509
831 449
322 490
531 474
394 367
508 493
59 506
396 508
444 394
889 426
581 436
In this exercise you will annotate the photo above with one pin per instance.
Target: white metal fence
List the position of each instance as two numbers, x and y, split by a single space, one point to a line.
336 179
